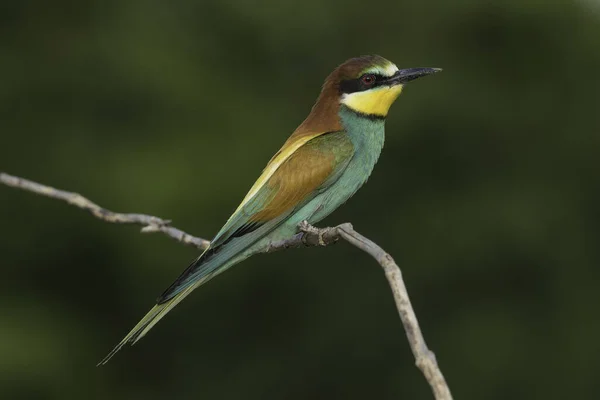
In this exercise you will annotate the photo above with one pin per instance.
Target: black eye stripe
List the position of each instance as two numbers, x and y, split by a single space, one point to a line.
357 85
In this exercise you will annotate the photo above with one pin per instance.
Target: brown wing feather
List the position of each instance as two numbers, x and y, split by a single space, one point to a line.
304 172
288 181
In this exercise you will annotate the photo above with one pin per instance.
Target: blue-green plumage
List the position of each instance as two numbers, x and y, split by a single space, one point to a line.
327 159
367 135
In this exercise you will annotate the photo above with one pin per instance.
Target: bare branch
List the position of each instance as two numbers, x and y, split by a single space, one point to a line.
308 236
148 222
424 358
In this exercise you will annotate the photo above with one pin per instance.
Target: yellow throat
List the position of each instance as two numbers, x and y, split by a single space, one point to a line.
372 102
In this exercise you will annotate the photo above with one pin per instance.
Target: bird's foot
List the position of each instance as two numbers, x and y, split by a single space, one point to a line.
313 236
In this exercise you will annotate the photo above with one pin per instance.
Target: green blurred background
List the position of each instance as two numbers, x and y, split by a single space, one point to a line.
486 194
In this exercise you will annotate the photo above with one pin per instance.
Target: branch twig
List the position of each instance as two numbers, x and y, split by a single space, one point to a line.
309 236
148 222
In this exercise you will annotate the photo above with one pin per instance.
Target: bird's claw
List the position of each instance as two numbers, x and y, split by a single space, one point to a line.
313 231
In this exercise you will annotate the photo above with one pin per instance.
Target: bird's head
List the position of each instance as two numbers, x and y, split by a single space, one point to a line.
367 85
370 84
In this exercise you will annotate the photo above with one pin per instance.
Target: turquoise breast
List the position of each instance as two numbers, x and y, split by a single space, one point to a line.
367 135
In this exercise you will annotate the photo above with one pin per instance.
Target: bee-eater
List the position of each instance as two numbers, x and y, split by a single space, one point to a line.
321 165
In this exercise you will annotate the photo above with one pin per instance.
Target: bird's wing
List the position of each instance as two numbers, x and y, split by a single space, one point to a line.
293 177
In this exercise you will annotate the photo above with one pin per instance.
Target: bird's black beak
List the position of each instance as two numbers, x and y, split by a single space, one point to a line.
407 75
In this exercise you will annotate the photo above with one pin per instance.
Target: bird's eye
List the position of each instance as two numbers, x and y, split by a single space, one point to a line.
368 79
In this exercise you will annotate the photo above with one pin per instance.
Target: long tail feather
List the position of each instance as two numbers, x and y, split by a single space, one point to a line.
204 268
149 320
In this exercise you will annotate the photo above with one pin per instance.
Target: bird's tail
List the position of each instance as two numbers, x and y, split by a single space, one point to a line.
208 268
210 263
150 319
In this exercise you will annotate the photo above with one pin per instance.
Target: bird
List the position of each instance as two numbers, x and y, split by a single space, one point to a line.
322 164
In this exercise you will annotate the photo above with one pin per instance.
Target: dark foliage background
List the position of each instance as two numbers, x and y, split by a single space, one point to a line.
487 195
